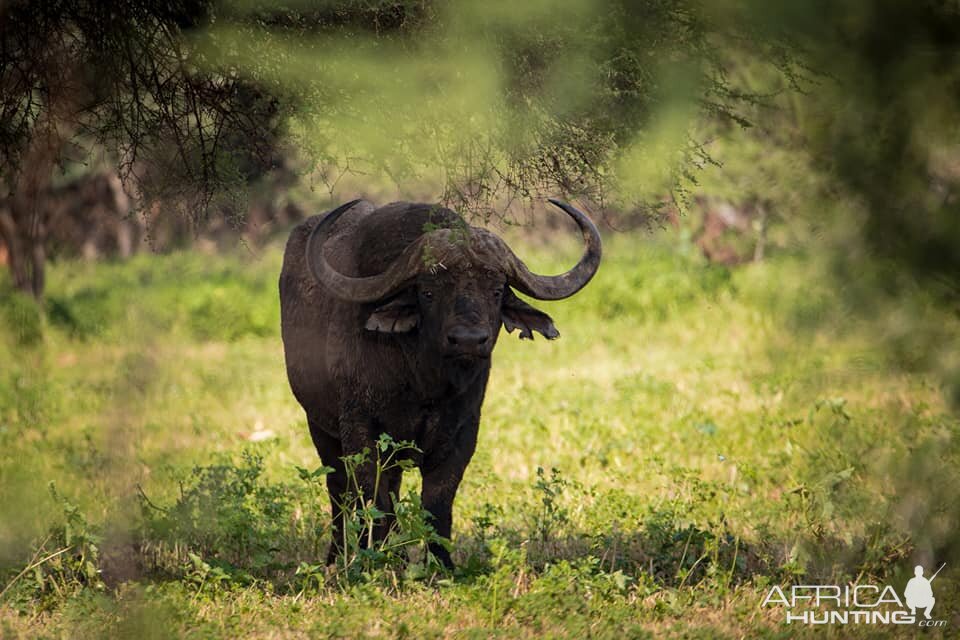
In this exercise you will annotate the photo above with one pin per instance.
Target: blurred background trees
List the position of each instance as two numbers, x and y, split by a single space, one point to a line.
190 103
116 85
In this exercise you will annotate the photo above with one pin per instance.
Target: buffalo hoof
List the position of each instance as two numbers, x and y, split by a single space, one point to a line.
442 556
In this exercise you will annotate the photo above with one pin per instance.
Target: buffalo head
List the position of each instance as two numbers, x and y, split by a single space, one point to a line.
453 288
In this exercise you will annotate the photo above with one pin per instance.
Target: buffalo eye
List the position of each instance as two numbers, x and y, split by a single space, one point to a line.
428 295
498 294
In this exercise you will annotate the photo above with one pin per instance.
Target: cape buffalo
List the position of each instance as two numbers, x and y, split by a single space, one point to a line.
389 317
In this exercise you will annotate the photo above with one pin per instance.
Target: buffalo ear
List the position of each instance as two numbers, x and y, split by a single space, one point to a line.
517 314
400 315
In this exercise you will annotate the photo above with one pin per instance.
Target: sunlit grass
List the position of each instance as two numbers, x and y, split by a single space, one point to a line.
714 431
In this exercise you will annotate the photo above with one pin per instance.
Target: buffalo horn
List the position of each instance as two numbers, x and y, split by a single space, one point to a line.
411 262
566 284
363 289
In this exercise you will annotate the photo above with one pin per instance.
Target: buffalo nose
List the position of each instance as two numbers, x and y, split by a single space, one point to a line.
468 337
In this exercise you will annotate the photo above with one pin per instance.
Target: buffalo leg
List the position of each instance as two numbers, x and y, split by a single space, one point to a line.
330 451
440 483
357 435
339 486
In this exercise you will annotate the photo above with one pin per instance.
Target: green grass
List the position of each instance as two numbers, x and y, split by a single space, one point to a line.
696 436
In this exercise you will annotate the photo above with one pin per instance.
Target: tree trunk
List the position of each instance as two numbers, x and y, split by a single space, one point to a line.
16 257
26 254
761 225
24 220
38 262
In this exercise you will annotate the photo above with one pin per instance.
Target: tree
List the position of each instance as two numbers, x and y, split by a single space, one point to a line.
883 126
121 76
497 101
194 97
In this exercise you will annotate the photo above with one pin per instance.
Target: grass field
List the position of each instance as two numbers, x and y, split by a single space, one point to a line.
697 436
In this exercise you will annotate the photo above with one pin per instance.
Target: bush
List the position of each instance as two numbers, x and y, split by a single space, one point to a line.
230 311
86 314
229 516
22 318
64 562
212 298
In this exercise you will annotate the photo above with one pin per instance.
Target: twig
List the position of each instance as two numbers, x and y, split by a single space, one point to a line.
34 565
147 500
699 560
